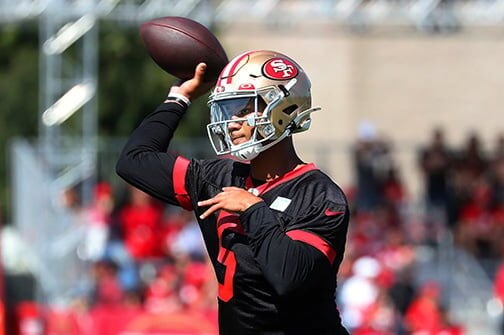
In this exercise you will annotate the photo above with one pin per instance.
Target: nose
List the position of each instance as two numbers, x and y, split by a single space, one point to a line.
234 124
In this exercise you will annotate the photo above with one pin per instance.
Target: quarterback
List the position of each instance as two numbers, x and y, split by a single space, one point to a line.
274 226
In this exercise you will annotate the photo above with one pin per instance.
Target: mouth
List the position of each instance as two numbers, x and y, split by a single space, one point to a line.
238 139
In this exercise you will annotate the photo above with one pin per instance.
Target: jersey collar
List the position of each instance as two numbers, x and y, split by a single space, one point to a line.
279 180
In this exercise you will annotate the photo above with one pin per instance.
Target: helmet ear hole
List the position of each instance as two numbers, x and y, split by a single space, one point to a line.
289 110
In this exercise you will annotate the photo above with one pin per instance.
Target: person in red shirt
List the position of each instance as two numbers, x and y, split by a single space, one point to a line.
140 220
423 314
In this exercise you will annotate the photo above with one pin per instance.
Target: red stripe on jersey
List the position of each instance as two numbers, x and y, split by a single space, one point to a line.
178 178
280 180
314 241
226 220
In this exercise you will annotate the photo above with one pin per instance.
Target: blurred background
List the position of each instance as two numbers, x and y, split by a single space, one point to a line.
412 128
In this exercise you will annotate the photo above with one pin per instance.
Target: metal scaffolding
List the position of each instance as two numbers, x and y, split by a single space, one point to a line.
65 155
68 77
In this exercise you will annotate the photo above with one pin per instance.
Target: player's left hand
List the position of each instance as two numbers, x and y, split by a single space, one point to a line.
232 199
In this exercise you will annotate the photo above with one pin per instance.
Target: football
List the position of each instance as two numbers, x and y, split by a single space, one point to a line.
178 44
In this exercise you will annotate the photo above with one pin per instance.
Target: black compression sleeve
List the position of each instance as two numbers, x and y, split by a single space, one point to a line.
144 162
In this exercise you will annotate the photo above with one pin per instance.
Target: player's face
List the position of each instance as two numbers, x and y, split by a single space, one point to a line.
241 131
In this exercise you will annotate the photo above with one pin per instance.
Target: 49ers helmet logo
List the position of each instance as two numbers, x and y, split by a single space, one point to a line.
280 69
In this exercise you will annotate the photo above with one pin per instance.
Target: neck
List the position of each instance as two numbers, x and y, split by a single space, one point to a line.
276 161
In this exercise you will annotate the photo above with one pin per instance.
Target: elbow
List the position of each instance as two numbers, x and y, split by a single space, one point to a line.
120 167
123 168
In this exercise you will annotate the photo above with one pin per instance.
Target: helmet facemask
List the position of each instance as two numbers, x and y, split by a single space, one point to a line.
249 107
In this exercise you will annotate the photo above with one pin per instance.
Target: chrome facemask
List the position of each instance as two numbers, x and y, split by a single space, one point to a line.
242 107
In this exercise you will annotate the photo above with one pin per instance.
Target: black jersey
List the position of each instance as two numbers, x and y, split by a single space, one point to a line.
276 263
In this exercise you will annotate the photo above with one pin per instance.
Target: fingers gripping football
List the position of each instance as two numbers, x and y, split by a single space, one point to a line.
194 87
231 199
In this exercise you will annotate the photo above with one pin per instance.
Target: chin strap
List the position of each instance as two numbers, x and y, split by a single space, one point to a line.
247 154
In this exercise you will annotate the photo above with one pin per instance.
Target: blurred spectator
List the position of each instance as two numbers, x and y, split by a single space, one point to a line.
497 192
62 321
98 218
198 287
472 158
141 219
393 189
499 147
369 229
402 291
359 292
108 290
476 228
447 326
174 220
468 171
373 162
30 319
162 292
460 192
435 161
188 239
127 268
397 253
423 315
366 234
380 318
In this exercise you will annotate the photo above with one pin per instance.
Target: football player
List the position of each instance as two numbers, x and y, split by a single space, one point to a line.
274 226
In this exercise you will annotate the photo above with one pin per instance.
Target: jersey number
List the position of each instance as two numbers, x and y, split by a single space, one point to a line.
226 256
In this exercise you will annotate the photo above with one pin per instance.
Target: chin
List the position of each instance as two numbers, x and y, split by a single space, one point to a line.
239 141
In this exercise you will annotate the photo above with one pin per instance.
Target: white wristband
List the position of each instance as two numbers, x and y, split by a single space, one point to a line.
179 96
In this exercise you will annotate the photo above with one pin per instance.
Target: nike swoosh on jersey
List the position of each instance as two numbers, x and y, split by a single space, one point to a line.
329 212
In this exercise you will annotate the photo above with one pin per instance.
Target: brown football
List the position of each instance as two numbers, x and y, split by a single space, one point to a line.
178 44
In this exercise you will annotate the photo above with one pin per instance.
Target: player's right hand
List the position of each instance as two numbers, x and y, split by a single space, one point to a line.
231 199
194 87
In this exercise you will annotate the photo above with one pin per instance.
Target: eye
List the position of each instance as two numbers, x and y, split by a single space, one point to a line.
243 112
